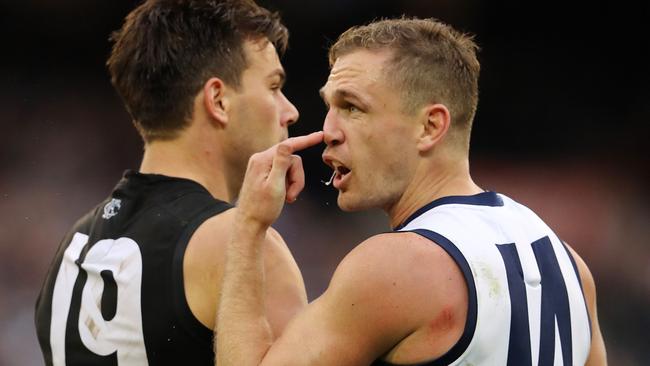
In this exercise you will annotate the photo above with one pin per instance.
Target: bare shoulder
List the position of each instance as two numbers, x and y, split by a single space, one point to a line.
204 265
211 237
206 250
402 294
399 253
405 272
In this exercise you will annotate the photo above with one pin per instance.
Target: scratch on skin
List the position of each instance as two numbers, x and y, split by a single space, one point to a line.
443 321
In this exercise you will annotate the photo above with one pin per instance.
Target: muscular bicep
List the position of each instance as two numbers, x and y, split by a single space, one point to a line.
374 301
325 333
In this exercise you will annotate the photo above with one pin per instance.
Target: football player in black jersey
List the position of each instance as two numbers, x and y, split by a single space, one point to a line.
136 281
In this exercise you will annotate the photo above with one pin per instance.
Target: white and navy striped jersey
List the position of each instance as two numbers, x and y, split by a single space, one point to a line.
526 305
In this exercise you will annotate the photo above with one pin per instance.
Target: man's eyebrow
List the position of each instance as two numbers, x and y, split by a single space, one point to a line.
279 73
342 94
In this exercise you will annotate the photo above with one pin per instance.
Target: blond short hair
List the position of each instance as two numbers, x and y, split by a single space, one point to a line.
431 63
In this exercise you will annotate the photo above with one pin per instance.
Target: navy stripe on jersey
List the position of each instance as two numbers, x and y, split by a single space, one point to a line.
519 353
481 199
555 304
554 307
470 325
575 268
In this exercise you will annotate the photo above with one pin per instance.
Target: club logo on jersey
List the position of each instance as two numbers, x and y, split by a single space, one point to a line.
111 208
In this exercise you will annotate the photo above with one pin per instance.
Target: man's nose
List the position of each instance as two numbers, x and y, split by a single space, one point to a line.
333 135
290 113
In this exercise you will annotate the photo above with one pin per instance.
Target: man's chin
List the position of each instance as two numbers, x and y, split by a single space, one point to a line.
349 205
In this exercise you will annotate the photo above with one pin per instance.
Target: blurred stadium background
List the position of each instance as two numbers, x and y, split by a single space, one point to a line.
562 126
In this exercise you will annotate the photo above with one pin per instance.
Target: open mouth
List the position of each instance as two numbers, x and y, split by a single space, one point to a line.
342 170
340 173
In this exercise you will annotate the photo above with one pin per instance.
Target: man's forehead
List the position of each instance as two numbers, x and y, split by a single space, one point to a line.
261 52
358 69
344 76
363 59
353 65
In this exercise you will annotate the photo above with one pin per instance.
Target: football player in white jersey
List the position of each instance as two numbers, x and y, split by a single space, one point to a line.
468 277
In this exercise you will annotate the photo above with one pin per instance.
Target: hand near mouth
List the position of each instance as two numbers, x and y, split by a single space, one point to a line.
272 177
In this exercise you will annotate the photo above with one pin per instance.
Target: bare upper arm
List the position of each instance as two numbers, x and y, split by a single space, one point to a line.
203 266
597 354
385 290
285 293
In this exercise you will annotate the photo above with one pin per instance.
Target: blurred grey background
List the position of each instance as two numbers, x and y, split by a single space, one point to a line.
562 127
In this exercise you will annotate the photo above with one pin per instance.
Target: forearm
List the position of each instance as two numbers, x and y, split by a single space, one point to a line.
243 332
272 176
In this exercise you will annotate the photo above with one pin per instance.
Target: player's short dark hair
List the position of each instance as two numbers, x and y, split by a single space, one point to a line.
430 62
167 49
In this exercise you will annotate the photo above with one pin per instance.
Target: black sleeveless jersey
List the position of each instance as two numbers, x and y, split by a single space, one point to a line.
114 293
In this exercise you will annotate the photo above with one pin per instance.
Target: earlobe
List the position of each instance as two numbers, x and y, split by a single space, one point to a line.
215 100
436 120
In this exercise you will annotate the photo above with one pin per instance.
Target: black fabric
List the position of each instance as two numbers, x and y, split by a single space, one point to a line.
160 214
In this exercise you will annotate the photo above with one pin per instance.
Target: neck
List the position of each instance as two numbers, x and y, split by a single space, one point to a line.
433 181
190 158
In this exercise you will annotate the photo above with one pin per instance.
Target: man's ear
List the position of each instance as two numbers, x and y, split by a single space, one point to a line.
435 119
216 100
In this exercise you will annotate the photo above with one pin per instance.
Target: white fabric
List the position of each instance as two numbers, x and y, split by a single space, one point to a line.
476 230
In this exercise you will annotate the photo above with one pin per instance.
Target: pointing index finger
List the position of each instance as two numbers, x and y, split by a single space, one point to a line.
302 142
